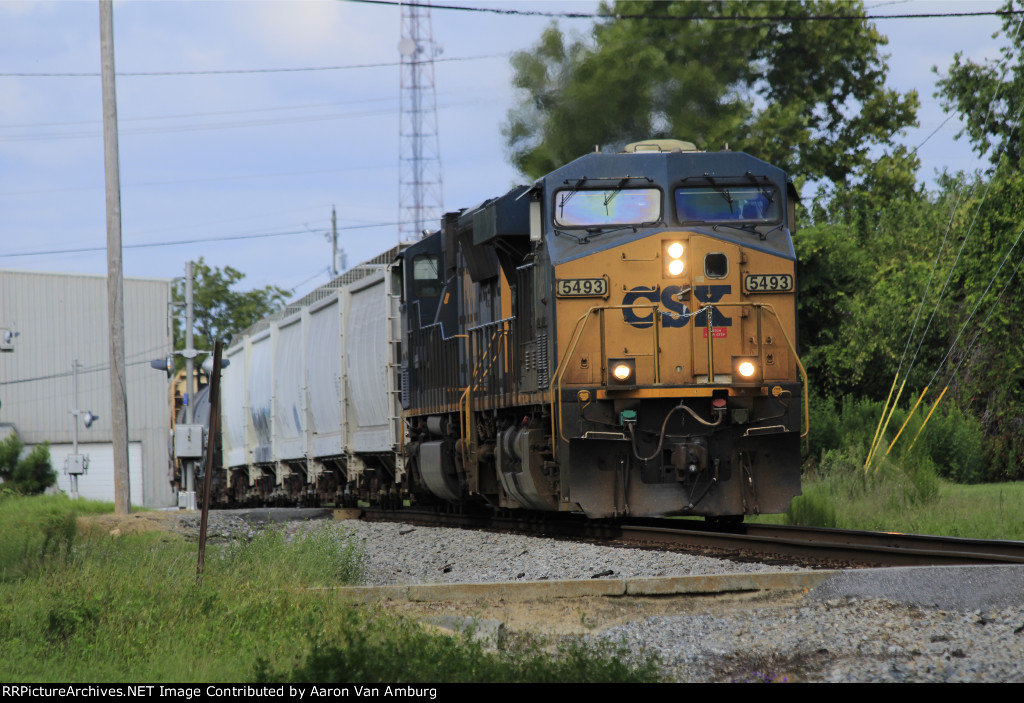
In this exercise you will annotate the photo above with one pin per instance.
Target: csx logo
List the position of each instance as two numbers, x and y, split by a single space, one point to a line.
678 314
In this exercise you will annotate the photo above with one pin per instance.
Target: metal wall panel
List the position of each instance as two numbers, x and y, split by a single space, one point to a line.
234 408
98 482
366 354
260 390
289 391
61 317
323 377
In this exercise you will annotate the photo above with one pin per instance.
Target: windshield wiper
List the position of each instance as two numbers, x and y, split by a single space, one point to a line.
611 194
595 231
752 229
567 196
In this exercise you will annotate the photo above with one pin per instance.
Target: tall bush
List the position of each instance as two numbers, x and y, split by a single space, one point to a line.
29 475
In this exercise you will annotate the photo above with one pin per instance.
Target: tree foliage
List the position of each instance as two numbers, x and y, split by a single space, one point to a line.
928 285
808 96
990 97
29 475
987 367
861 276
219 310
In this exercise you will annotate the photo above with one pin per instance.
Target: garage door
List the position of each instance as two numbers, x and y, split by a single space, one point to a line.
98 483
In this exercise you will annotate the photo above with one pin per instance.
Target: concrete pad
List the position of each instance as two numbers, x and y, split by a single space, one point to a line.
724 583
548 590
960 588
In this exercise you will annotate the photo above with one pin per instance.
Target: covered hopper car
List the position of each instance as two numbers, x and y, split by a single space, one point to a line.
615 339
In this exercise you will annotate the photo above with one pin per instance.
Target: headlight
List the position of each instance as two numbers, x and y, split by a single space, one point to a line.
622 372
745 369
672 253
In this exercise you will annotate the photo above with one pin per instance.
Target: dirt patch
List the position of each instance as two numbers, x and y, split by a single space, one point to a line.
135 523
587 615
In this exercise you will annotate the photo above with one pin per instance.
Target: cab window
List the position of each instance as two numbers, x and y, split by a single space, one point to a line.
614 206
426 283
748 204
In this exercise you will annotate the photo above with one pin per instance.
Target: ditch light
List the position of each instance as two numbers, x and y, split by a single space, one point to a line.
745 370
622 372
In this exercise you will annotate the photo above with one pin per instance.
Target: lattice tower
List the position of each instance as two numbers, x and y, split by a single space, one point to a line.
419 191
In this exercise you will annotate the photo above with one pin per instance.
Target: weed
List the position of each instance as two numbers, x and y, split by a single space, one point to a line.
128 609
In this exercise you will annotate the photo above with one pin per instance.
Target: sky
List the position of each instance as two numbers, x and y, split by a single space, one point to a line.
262 157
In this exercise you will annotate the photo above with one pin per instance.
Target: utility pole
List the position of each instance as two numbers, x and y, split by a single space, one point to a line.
115 274
334 243
76 464
337 264
190 369
188 437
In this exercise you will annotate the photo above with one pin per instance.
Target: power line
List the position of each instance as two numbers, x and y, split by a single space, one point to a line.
87 369
237 71
675 18
150 245
267 122
216 113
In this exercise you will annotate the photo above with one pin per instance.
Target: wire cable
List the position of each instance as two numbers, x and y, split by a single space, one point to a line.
710 18
229 238
238 71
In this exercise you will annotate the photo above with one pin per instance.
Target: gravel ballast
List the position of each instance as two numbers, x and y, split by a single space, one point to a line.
830 634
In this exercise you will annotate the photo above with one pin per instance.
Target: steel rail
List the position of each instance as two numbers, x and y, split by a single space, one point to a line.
856 547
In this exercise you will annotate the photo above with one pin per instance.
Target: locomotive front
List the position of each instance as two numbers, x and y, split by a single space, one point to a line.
677 387
615 339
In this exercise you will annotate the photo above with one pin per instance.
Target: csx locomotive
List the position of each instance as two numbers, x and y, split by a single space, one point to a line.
615 339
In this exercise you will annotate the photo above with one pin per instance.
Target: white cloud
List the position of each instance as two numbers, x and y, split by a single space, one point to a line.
322 30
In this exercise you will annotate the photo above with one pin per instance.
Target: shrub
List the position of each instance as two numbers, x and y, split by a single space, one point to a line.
30 475
952 441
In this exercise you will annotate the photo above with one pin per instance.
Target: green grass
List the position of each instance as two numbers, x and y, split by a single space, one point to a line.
96 608
903 498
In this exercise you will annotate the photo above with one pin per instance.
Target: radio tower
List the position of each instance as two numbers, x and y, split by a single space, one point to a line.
419 188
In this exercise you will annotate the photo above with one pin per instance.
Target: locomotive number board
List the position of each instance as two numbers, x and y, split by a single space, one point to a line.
768 283
582 288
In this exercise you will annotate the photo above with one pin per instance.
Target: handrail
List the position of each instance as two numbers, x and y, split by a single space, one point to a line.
707 308
466 419
577 334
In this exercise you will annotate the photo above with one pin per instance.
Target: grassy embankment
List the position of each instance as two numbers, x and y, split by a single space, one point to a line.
840 493
87 607
927 483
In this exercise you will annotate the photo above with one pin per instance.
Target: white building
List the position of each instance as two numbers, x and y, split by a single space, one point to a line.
59 318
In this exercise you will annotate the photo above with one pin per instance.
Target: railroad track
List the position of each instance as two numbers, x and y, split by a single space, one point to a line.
824 545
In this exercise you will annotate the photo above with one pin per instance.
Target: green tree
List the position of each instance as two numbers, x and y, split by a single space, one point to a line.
861 277
29 475
219 310
986 368
806 95
990 97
